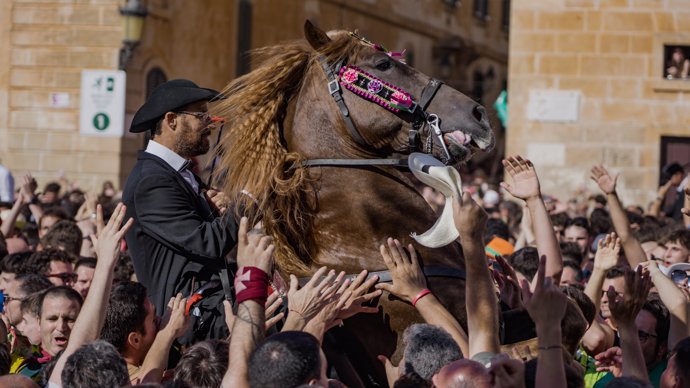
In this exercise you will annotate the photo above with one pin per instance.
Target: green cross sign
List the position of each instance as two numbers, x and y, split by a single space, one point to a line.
101 121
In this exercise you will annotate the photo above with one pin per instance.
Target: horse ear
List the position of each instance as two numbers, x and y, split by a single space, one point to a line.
315 36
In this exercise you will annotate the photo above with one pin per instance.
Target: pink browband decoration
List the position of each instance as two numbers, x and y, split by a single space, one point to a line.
373 89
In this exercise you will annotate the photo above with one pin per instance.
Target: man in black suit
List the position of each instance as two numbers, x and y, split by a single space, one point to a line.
179 239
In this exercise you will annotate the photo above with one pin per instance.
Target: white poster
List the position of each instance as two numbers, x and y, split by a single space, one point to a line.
102 104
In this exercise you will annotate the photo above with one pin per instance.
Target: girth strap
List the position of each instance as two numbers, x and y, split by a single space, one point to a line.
429 271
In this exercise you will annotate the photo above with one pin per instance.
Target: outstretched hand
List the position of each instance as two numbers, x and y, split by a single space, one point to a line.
109 236
624 309
254 248
408 278
601 176
546 305
608 251
319 292
525 184
357 295
469 218
610 360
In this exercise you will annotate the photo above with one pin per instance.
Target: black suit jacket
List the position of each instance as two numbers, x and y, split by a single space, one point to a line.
176 237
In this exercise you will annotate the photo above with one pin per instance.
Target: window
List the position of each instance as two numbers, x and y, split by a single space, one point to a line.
481 9
155 77
505 18
674 149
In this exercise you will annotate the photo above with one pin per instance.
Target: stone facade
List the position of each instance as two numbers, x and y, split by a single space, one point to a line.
611 51
44 45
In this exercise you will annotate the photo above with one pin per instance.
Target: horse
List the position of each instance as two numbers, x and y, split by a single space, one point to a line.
318 164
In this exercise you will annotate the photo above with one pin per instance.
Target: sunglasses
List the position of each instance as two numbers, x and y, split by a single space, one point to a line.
679 277
65 277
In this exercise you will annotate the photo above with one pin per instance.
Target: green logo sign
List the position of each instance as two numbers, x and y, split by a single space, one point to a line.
101 121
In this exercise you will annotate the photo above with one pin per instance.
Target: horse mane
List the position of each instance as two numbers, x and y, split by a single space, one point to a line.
266 181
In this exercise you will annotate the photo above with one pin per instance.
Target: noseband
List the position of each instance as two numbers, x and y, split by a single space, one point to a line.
389 97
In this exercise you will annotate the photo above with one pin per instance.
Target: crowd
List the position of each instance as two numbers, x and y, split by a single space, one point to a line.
97 290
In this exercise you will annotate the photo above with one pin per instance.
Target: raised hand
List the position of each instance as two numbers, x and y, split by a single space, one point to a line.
525 183
408 278
624 309
509 288
321 290
606 183
109 236
254 248
608 251
175 320
470 219
218 200
686 210
29 186
357 296
547 304
610 360
272 305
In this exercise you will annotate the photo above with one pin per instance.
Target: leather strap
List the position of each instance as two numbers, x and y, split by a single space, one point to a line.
401 163
429 271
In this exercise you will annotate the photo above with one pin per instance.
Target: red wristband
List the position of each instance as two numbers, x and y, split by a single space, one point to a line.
251 283
419 296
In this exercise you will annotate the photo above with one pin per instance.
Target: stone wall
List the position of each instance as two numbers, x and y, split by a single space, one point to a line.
611 52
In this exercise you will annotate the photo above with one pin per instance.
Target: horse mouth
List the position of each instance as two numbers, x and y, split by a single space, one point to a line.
462 145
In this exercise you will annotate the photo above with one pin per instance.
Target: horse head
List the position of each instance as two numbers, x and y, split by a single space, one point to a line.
368 74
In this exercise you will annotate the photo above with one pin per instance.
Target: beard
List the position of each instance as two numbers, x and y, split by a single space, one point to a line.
192 142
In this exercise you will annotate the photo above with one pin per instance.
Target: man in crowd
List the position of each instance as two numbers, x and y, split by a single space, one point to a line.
85 268
54 264
179 240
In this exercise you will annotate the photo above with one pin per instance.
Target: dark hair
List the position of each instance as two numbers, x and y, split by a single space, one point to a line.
64 234
573 327
31 304
15 263
580 222
95 364
496 227
616 272
570 251
681 236
585 304
56 212
31 283
634 218
203 365
600 222
5 359
672 169
125 313
525 261
649 230
598 198
628 382
656 307
124 269
285 360
39 262
682 353
559 219
573 377
428 348
575 267
60 292
52 187
89 262
411 380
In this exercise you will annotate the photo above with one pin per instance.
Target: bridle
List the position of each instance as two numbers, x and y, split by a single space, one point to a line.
394 99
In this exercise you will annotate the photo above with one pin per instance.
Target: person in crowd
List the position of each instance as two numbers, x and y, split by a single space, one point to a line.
49 218
55 264
188 253
64 235
84 269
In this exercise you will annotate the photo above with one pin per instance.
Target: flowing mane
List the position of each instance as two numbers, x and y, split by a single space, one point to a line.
260 172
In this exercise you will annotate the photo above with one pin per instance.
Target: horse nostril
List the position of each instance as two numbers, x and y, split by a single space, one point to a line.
478 112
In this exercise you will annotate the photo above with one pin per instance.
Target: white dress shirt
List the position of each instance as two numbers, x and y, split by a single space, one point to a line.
175 161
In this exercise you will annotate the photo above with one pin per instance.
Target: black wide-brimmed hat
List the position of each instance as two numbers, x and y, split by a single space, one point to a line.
168 97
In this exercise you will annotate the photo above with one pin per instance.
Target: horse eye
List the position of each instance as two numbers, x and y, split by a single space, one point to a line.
384 65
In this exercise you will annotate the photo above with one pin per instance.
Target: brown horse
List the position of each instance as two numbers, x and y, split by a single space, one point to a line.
282 114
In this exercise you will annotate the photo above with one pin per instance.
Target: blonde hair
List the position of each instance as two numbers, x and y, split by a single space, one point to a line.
268 182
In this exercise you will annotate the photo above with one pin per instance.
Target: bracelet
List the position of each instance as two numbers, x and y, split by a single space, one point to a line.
251 283
550 347
419 296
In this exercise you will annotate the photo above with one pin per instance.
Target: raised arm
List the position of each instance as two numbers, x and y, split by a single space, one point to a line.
480 294
409 284
525 185
254 261
546 306
686 207
631 246
8 224
89 323
624 310
674 299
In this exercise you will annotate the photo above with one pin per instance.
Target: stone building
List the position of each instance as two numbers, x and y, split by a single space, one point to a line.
588 83
45 45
